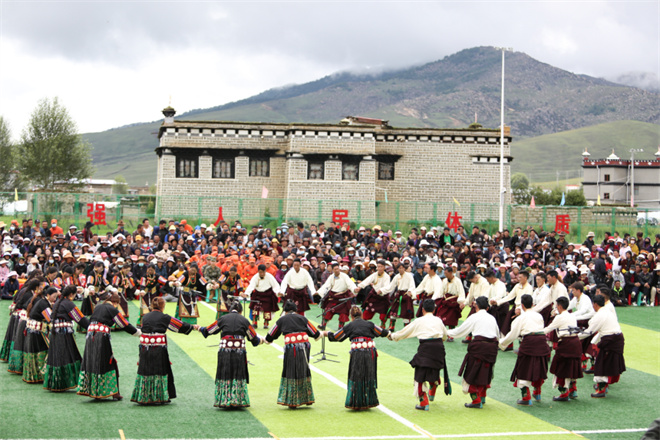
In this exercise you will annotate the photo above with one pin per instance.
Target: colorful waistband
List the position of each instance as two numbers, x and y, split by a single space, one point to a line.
34 325
23 315
296 338
362 343
231 342
97 327
153 339
63 324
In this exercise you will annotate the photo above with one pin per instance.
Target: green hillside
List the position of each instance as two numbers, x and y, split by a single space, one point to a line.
539 157
540 100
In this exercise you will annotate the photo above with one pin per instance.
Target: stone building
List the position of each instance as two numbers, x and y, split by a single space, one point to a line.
617 180
315 168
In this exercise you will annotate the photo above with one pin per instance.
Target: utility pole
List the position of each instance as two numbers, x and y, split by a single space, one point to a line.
502 187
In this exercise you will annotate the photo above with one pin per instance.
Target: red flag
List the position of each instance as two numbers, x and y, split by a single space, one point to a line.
533 203
264 192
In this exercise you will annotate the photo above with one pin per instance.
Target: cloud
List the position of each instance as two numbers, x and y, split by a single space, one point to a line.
118 62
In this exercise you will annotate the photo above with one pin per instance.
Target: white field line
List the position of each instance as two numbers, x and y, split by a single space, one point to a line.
341 384
396 437
424 433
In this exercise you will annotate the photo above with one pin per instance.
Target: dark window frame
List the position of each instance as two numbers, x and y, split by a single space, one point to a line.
357 173
223 159
607 177
380 173
309 169
606 196
262 174
187 158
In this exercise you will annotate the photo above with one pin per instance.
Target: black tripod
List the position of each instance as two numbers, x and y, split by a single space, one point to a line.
323 352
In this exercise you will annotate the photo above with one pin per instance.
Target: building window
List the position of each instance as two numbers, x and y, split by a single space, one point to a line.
606 196
223 168
187 167
385 171
350 171
315 170
259 167
607 177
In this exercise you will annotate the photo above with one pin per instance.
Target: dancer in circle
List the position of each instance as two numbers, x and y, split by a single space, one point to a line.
296 382
362 370
35 348
63 361
99 375
154 383
231 375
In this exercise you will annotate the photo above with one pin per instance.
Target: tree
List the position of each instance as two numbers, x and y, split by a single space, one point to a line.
120 186
520 188
8 174
51 150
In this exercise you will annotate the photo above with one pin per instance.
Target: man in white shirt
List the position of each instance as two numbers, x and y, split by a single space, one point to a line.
336 294
477 367
377 300
298 286
542 298
478 287
497 293
557 288
448 303
609 340
430 286
583 311
262 291
566 365
430 357
531 367
522 288
401 288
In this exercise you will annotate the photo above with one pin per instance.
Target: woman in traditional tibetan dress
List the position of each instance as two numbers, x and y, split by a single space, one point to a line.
99 375
191 284
362 369
231 376
63 361
19 303
151 284
154 383
35 347
32 288
296 382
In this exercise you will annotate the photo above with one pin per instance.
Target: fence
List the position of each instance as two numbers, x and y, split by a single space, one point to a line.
74 208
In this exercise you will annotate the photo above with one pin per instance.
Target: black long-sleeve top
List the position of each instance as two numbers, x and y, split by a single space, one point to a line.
159 322
292 323
108 315
68 311
358 329
232 324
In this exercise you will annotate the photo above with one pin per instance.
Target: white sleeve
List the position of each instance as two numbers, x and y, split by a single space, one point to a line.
463 329
367 281
285 281
252 285
516 327
310 283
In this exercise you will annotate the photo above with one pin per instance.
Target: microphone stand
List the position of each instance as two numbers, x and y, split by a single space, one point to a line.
323 353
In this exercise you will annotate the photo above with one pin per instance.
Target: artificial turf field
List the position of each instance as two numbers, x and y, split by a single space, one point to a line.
27 411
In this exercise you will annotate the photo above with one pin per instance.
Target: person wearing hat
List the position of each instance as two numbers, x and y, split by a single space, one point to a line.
298 286
336 293
401 289
376 299
262 292
11 286
191 284
531 367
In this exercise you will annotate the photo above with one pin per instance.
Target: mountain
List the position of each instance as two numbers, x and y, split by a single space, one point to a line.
541 157
540 99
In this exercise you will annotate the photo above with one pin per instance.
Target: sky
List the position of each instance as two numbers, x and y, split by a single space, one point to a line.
113 63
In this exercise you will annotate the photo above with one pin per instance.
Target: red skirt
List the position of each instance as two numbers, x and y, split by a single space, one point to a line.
402 306
332 304
298 296
532 362
477 367
448 310
376 303
267 301
609 361
567 360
